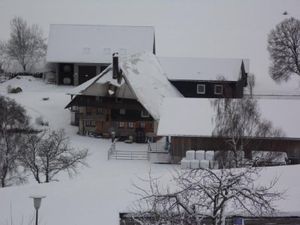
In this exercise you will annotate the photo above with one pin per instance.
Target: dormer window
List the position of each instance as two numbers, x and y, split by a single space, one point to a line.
144 114
218 90
200 88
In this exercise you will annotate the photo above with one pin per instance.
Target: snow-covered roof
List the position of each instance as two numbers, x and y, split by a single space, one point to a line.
186 117
82 87
146 79
194 117
96 43
98 86
180 68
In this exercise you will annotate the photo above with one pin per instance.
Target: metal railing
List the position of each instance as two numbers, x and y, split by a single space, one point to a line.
113 153
129 155
111 149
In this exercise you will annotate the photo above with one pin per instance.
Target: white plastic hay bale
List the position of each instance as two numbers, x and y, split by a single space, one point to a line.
209 155
190 154
200 154
213 164
195 164
185 164
204 164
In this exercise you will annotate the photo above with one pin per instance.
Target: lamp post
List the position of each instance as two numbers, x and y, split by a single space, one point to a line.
37 200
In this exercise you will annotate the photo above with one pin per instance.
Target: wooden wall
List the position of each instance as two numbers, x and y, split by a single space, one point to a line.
179 145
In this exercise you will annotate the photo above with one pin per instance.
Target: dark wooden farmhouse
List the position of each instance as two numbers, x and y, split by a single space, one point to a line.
125 100
105 107
207 78
77 53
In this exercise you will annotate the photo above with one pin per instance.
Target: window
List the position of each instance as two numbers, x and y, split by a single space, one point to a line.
218 89
143 124
131 124
121 124
88 112
90 123
86 50
107 51
99 111
200 88
123 51
122 111
98 99
74 108
144 114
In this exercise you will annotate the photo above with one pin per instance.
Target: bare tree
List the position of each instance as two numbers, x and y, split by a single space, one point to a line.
48 154
239 120
13 124
26 44
284 49
251 83
29 156
205 196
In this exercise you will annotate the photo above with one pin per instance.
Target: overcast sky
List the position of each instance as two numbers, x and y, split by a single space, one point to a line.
180 24
209 28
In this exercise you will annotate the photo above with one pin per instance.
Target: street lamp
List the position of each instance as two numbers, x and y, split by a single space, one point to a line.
37 200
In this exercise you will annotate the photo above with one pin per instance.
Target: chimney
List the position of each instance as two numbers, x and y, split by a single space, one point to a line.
115 65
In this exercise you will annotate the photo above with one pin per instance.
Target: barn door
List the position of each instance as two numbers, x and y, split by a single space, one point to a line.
86 72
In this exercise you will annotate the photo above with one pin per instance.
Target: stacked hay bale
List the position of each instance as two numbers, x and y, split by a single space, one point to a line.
199 159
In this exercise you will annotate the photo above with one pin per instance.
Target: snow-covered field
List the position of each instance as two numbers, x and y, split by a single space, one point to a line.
97 194
102 190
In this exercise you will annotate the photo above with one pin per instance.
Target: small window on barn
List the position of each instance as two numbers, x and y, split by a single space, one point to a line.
122 111
200 88
144 114
121 124
123 52
143 124
86 50
218 89
107 51
131 124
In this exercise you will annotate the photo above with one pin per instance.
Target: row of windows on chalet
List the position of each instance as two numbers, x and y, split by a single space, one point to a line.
122 124
133 125
218 89
99 111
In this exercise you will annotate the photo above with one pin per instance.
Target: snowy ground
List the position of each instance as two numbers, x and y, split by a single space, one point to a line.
102 190
97 194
